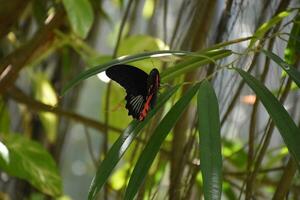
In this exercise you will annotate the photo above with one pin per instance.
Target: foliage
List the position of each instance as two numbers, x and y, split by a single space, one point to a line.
28 160
191 103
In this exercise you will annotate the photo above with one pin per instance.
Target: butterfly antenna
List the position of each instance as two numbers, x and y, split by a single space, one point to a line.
152 62
116 107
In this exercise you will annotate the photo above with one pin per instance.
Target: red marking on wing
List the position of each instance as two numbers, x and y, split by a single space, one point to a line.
146 108
157 81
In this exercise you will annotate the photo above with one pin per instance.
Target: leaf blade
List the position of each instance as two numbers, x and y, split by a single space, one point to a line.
28 160
292 48
267 25
126 59
81 16
210 141
286 126
121 145
289 69
193 63
147 156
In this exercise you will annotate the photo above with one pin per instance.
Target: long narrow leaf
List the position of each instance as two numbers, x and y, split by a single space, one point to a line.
289 69
200 58
286 126
193 63
210 141
121 145
124 59
147 156
292 48
269 24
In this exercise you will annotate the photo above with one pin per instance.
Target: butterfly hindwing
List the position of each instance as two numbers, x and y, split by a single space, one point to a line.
135 104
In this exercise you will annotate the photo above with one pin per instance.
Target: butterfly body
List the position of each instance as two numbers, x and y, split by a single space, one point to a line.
140 87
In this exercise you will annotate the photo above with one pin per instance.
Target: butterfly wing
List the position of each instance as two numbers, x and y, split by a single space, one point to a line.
131 78
153 84
134 81
135 104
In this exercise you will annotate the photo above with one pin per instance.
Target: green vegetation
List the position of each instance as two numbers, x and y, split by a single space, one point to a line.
226 123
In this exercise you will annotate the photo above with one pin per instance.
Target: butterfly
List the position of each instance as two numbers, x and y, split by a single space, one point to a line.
141 88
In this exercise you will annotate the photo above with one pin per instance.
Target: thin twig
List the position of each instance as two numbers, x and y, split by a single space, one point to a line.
122 26
108 91
252 125
165 28
90 146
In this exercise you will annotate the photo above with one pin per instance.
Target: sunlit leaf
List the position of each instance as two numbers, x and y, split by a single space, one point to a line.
124 59
122 144
285 124
234 152
204 58
148 9
193 63
45 93
4 118
292 49
139 43
118 116
210 141
267 25
4 153
142 43
28 160
81 16
289 69
160 133
118 178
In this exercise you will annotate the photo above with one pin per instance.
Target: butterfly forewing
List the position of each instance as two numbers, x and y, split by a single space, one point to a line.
131 78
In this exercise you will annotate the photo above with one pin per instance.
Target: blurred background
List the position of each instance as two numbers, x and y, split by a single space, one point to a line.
58 141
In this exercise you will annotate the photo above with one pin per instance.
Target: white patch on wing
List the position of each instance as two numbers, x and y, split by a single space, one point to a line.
139 105
136 103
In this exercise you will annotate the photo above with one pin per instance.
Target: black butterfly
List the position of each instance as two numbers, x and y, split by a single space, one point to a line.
141 88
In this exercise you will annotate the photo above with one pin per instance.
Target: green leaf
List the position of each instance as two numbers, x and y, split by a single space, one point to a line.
286 126
203 58
4 153
262 30
292 49
147 156
140 43
45 93
28 160
193 63
121 145
210 141
148 9
4 118
124 59
289 69
81 16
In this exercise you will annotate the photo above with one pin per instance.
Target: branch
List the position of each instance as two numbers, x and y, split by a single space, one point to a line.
19 96
11 65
